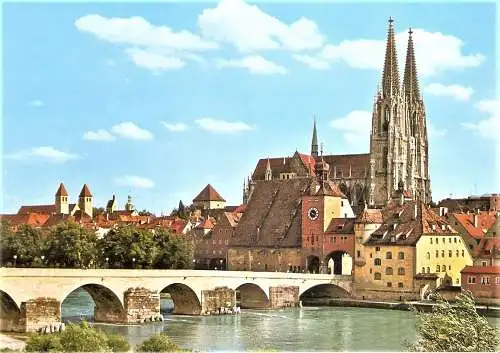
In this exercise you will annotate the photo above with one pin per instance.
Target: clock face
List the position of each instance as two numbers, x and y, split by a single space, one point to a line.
313 213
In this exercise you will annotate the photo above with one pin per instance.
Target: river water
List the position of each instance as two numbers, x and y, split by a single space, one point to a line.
293 329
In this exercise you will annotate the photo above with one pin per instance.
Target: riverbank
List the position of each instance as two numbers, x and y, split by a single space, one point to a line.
490 311
12 341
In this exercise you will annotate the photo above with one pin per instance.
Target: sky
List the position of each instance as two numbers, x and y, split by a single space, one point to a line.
157 100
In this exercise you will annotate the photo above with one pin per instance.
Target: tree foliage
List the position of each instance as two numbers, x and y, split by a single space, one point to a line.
26 243
174 251
159 343
457 328
70 245
77 338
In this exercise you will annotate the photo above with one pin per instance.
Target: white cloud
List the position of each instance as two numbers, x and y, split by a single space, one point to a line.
435 131
457 92
132 131
177 127
36 103
137 31
356 127
249 29
312 61
490 127
222 126
99 135
135 181
255 64
435 52
47 153
154 61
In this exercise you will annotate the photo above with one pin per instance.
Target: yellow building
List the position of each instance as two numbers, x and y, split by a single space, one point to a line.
209 199
444 254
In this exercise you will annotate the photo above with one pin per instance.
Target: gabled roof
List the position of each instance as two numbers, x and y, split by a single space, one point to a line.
61 191
207 224
481 269
341 226
47 209
209 194
484 221
85 191
32 219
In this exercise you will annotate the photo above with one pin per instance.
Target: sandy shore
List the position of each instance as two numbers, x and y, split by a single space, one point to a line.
11 342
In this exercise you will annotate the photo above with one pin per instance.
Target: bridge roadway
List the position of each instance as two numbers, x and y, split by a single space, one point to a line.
31 298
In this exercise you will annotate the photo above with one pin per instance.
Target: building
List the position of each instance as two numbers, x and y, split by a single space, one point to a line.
488 202
398 144
209 199
483 282
471 225
391 261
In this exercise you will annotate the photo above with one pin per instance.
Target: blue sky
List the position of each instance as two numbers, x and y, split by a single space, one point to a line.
157 100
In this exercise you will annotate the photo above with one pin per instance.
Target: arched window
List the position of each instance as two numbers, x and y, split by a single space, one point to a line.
423 269
458 253
450 253
438 268
401 271
378 262
444 268
428 255
442 253
428 270
401 255
463 253
388 271
378 276
388 255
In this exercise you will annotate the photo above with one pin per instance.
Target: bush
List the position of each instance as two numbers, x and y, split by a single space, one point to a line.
43 343
457 328
117 343
159 343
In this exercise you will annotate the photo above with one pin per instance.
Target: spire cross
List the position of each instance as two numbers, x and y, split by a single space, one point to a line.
391 20
410 31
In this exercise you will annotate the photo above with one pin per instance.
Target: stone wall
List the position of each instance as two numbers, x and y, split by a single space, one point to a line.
141 304
220 297
284 296
264 259
38 313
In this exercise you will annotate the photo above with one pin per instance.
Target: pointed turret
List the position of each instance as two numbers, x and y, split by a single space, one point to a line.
61 191
390 76
269 172
314 143
85 200
410 78
61 200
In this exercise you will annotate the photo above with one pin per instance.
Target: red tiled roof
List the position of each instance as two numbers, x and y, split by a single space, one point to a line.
484 222
85 191
207 224
341 226
240 209
370 216
209 194
61 191
481 269
308 162
32 219
48 209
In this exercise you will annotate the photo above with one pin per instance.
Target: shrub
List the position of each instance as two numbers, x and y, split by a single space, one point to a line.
117 343
43 343
158 343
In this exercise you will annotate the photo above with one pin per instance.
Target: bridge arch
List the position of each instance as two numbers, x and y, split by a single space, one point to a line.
339 262
326 290
107 304
186 301
252 296
9 312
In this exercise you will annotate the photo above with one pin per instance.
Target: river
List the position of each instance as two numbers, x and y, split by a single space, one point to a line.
293 329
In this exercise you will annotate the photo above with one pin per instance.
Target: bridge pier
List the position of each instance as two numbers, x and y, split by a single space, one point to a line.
141 304
284 296
220 297
38 313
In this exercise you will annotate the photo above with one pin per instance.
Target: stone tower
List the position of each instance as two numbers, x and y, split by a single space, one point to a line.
314 142
398 139
85 200
129 206
61 200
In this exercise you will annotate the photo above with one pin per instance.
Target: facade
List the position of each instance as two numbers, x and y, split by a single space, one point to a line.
483 282
471 225
209 199
488 202
399 151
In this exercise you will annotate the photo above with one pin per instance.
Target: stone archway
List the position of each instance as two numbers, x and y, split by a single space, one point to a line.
324 291
342 263
185 300
9 313
251 296
106 304
312 264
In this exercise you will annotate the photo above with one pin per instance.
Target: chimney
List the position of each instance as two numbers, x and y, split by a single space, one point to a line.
474 220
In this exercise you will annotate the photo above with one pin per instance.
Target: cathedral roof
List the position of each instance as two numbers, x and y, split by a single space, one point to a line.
85 191
61 191
209 194
410 79
390 75
47 209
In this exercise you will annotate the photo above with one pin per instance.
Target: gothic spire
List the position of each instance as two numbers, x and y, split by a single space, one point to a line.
410 78
314 143
269 173
390 76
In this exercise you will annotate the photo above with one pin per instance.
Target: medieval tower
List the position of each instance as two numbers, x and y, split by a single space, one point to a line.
398 140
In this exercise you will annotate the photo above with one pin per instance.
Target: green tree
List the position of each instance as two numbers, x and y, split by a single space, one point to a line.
25 243
126 243
97 211
181 210
70 245
174 251
457 328
145 213
38 342
159 343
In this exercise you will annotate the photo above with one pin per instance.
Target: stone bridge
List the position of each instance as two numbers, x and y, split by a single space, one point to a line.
31 298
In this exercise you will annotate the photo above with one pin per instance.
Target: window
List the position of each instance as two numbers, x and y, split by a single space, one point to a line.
457 281
377 248
377 276
341 203
438 268
450 253
371 255
358 253
389 284
485 280
378 262
401 271
442 253
471 280
463 253
455 240
400 285
388 255
371 270
388 271
428 255
437 253
484 263
423 269
497 280
401 255
449 240
437 240
428 270
431 240
458 253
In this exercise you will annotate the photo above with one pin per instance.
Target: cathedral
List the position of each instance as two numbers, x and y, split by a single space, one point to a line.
398 157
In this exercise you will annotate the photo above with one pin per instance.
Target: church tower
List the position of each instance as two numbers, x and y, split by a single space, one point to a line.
418 179
85 200
61 200
314 142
